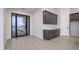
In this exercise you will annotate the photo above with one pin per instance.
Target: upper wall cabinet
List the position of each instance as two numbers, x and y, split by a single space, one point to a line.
49 18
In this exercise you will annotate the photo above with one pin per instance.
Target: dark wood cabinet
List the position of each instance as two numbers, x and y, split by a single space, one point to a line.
49 18
50 34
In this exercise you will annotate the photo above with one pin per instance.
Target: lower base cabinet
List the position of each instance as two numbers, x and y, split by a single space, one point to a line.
50 34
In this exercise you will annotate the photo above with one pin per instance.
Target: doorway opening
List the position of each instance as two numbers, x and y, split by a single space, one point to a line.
74 24
20 25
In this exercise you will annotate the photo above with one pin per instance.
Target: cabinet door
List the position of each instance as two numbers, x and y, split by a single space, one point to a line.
45 34
54 17
49 18
57 32
46 18
51 34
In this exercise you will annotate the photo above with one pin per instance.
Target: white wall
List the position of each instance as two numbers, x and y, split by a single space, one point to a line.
5 27
37 23
1 29
74 10
64 21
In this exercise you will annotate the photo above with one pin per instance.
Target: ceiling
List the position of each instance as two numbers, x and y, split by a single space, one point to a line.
31 10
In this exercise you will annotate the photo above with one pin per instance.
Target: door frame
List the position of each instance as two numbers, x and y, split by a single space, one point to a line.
70 19
69 25
16 25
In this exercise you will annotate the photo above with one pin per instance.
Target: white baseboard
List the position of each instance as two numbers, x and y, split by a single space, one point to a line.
41 37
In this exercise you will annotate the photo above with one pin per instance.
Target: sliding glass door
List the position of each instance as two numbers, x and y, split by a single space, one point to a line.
20 25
